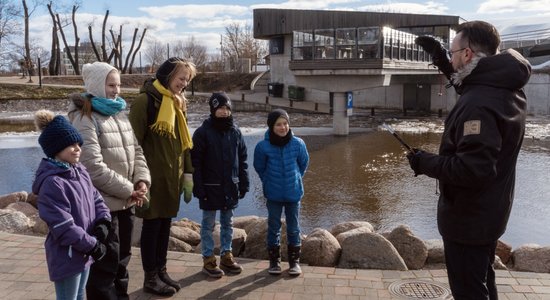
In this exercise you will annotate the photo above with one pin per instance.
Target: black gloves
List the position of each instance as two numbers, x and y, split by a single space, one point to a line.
98 251
101 230
414 160
440 56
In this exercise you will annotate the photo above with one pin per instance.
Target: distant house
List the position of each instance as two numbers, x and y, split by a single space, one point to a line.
85 55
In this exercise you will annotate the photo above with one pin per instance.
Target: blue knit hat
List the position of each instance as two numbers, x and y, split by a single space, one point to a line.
57 133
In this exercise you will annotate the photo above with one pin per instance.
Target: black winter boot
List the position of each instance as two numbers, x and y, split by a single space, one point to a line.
274 260
294 261
152 284
166 279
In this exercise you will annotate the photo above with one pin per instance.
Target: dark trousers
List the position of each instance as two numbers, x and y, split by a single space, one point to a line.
155 235
470 270
109 276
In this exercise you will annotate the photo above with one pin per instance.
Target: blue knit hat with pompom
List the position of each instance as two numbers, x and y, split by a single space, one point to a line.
57 133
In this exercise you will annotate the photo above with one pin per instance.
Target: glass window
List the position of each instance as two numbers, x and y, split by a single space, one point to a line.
302 45
368 42
346 43
324 44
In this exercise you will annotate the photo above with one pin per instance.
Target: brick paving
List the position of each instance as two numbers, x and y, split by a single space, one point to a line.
24 275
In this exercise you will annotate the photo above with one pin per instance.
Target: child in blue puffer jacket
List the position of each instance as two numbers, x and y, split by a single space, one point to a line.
281 160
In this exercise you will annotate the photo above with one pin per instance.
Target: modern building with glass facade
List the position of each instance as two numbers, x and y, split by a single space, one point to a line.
370 55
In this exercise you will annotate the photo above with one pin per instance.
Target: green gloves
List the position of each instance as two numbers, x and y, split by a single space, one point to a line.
187 187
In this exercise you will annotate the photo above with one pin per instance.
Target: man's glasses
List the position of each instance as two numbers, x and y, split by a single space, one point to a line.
450 53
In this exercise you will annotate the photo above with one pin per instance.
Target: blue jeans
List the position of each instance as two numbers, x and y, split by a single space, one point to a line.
292 213
207 228
73 287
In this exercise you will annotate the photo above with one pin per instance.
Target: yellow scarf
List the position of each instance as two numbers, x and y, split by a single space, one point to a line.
164 126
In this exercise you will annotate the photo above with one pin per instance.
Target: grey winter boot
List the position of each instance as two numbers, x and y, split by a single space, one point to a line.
152 284
163 275
274 260
294 261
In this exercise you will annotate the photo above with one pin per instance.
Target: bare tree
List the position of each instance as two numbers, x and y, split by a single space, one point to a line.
74 61
238 42
191 49
28 65
9 27
155 53
54 66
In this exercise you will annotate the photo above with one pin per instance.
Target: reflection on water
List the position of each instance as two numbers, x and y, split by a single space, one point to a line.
361 177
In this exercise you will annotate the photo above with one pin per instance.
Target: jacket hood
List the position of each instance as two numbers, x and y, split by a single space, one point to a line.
509 70
47 169
76 101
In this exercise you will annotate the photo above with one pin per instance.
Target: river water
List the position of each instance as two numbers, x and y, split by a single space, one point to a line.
364 176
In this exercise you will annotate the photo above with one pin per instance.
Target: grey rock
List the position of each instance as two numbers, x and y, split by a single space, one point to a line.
320 248
532 258
14 221
6 200
179 245
368 250
412 249
436 253
185 234
346 226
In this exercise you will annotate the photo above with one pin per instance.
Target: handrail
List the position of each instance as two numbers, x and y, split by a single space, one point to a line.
253 83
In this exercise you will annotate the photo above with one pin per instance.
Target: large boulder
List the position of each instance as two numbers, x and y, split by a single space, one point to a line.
6 200
504 251
179 245
436 252
24 207
237 243
412 249
367 250
344 235
14 221
186 223
185 234
320 248
347 226
532 258
33 199
39 226
244 222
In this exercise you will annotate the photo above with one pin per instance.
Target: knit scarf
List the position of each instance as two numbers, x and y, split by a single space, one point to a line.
168 114
108 107
58 163
279 141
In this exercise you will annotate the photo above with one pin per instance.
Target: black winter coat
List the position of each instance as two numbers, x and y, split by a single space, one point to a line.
221 171
476 165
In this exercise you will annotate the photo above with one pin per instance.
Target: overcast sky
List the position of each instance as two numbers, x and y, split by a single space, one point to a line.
168 20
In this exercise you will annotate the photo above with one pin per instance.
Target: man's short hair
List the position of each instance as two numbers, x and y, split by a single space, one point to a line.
481 36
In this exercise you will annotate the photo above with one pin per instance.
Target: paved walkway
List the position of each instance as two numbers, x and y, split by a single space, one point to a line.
24 275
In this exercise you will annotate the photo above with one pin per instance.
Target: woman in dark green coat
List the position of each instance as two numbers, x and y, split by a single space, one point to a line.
159 119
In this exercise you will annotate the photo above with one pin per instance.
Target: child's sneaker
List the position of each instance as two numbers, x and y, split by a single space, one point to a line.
227 262
211 268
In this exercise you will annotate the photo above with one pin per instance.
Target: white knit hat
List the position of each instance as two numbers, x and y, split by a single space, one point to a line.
94 76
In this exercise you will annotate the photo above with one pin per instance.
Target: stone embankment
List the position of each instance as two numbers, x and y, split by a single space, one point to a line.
351 245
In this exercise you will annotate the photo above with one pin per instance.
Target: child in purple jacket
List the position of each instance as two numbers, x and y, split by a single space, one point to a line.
77 218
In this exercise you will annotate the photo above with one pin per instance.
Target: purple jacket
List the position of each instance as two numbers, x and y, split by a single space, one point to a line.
70 205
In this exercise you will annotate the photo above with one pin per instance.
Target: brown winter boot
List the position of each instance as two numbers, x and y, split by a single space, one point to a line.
229 264
152 284
294 260
211 268
274 260
163 275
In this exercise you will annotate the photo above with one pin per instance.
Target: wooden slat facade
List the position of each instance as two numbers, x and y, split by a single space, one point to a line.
276 22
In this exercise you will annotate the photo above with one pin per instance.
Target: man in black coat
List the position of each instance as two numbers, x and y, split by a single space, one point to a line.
476 164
